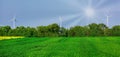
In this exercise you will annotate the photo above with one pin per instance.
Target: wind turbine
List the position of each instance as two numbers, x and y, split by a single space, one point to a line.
60 19
60 24
14 22
107 18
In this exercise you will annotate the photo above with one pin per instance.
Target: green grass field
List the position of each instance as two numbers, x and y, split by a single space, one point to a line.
61 47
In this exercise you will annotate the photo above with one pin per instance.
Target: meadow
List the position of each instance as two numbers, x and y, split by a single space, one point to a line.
61 47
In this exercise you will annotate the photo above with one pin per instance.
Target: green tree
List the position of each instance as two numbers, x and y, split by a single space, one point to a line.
116 30
63 32
4 30
102 29
42 31
93 29
53 29
77 31
19 31
30 32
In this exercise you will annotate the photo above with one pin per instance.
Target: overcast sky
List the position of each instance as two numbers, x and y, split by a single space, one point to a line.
43 12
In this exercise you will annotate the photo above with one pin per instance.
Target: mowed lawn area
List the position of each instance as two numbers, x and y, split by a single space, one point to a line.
61 47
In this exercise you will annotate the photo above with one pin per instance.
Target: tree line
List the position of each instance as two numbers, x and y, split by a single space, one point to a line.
54 30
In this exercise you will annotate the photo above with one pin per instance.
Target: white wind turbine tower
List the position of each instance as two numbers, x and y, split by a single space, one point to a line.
107 17
60 24
60 19
14 22
107 20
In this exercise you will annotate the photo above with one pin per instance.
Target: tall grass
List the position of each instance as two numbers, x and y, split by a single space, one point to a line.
61 47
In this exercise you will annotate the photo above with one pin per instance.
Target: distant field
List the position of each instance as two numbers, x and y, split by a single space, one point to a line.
10 37
61 47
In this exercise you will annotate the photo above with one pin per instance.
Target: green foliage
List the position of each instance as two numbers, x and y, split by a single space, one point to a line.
63 32
48 31
77 31
4 30
53 30
96 30
116 30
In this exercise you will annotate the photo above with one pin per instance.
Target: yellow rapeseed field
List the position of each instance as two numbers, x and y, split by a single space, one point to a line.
10 37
